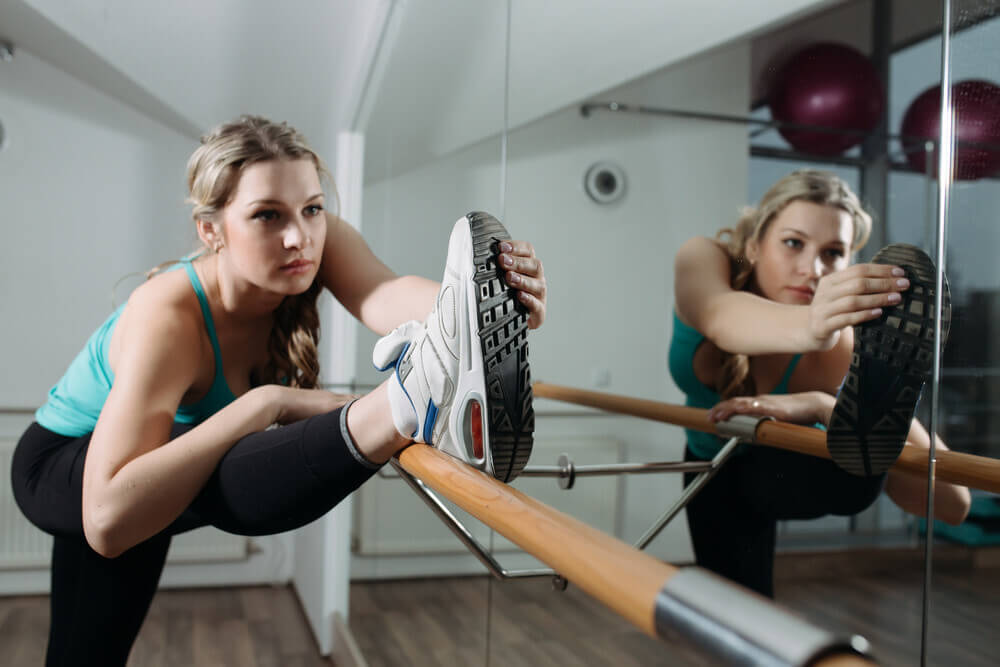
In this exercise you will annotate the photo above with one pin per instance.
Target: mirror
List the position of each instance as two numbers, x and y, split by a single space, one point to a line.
671 149
964 557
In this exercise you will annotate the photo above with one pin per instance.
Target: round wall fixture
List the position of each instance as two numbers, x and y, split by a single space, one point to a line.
604 182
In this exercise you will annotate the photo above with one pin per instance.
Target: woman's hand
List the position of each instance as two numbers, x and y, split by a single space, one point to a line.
809 407
525 274
852 296
287 405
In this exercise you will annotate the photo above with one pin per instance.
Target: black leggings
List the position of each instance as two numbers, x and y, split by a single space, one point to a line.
733 519
268 482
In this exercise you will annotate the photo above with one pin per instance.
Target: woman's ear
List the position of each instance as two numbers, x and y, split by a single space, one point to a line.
752 251
211 235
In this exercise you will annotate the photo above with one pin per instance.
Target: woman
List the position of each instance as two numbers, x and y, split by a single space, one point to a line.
162 423
763 326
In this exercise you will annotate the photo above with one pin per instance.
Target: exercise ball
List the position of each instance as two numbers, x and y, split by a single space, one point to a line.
831 85
976 105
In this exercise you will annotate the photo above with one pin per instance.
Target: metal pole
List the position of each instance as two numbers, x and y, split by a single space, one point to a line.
946 144
689 491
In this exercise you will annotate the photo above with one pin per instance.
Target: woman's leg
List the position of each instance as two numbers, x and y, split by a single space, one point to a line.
728 535
286 477
734 518
788 485
98 604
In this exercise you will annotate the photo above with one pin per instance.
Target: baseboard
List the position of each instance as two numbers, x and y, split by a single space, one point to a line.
345 648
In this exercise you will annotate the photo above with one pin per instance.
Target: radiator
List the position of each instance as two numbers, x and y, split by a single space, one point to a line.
22 546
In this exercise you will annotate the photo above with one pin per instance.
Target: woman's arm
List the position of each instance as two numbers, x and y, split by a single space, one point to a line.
134 484
381 300
736 321
135 481
366 287
740 322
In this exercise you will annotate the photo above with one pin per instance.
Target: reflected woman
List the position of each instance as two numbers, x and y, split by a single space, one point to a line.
764 326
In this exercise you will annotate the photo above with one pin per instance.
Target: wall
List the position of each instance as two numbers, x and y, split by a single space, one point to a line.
608 267
437 93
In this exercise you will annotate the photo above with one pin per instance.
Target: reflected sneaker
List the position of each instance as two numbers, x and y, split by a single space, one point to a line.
461 379
893 357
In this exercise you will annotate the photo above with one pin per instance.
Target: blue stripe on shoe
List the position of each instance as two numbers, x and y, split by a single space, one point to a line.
429 419
400 382
395 362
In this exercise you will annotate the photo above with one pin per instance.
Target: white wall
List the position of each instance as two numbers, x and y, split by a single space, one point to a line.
608 267
92 191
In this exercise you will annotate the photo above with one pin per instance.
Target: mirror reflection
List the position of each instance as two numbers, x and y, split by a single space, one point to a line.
964 562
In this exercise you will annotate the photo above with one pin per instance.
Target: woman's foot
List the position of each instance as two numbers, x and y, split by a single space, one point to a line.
893 357
462 381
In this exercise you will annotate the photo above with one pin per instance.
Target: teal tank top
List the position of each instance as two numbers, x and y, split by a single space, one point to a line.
683 343
75 403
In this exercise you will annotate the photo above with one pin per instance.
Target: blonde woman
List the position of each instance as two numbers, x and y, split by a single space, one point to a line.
161 424
764 326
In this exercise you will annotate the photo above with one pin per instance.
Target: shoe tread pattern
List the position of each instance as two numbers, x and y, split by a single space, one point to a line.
893 356
503 333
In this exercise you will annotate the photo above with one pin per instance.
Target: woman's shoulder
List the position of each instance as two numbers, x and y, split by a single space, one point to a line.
702 245
165 301
170 288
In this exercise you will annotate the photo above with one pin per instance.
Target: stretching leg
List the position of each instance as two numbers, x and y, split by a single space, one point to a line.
283 478
728 535
98 604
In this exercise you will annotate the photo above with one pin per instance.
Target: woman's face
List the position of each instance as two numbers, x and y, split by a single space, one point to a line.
803 243
274 226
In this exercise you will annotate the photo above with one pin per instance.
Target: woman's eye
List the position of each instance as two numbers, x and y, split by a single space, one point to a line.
793 243
835 253
266 215
313 210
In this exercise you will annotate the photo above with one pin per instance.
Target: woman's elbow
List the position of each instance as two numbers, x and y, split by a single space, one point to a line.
957 506
101 531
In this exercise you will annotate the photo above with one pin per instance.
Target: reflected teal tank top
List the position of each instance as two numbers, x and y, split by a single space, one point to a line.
683 343
75 403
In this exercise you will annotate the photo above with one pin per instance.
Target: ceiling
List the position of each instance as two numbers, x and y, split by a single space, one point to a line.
422 78
192 64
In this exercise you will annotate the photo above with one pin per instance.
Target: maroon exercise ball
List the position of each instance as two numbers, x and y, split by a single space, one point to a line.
977 122
831 85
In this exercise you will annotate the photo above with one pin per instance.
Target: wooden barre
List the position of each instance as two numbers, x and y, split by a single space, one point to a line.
616 574
623 578
979 472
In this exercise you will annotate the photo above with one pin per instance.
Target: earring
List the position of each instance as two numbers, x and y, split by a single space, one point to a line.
218 246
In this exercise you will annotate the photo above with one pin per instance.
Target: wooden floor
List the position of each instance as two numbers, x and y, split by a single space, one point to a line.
259 626
444 621
476 621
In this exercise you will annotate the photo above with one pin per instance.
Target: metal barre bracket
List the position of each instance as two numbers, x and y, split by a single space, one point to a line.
559 582
743 427
567 472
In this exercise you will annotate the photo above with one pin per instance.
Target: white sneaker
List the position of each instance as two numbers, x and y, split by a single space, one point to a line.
469 356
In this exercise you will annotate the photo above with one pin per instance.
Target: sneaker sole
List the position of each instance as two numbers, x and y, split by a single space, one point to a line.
503 334
893 357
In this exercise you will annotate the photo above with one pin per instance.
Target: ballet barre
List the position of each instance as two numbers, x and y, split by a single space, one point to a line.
720 618
979 472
